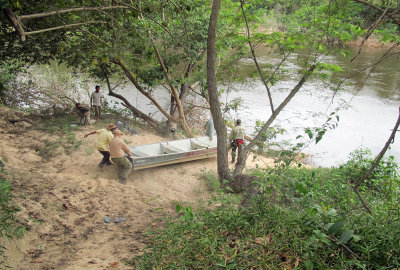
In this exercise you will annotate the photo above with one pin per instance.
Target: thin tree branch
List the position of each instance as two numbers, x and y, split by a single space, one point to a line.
380 155
61 27
371 29
62 11
395 20
141 90
364 203
97 37
174 91
254 56
128 105
159 24
242 158
375 164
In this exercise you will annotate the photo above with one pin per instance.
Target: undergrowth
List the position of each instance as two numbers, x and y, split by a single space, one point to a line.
301 219
64 127
8 226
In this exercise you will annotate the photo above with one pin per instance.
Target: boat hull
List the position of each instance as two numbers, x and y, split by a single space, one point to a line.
166 153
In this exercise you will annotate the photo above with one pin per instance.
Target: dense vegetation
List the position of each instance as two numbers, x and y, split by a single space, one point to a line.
301 218
8 227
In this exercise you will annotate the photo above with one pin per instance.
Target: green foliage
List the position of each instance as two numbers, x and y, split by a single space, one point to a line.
64 127
383 180
8 74
265 144
301 218
8 227
113 109
211 180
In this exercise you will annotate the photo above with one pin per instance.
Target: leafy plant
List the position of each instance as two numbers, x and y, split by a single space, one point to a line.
8 227
300 218
64 127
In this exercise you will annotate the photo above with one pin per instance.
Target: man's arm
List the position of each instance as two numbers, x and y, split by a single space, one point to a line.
91 133
126 149
101 101
91 101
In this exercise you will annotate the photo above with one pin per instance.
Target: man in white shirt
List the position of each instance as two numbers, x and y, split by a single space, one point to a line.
96 101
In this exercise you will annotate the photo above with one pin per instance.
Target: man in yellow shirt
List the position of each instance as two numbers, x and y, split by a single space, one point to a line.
104 137
118 152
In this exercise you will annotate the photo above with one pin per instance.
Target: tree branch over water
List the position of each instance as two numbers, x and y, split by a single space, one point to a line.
375 164
255 58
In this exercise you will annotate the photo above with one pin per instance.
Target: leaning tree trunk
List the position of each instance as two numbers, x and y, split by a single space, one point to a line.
153 123
241 163
173 108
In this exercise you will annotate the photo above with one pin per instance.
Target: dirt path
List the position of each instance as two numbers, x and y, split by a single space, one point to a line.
64 200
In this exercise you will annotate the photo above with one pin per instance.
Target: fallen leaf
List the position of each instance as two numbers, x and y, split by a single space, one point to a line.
296 264
114 264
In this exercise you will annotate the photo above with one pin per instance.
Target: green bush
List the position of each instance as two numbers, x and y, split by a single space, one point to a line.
8 228
301 218
62 126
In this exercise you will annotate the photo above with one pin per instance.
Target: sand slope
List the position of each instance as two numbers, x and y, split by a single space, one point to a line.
64 199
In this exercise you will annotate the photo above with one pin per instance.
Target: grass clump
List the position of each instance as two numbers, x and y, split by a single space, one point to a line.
301 218
64 127
8 227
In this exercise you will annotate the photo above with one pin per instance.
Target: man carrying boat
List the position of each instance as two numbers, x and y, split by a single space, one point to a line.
104 137
237 138
118 151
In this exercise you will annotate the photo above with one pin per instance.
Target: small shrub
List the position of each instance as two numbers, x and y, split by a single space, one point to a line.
8 210
211 180
64 128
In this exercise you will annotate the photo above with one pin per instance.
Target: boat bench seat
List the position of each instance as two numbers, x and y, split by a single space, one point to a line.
169 149
199 145
139 153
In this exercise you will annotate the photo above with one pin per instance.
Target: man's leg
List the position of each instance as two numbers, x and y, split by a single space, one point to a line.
81 118
124 167
106 159
234 146
96 112
125 170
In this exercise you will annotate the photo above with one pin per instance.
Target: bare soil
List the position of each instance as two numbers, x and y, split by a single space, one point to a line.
64 199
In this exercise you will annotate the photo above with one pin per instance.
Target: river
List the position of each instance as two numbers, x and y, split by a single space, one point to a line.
367 111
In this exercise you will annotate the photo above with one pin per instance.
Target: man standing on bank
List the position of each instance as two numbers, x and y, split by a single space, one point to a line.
237 139
96 102
118 149
104 137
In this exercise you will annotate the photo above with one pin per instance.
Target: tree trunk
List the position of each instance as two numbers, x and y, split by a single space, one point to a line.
182 97
241 163
219 123
141 90
153 123
175 94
